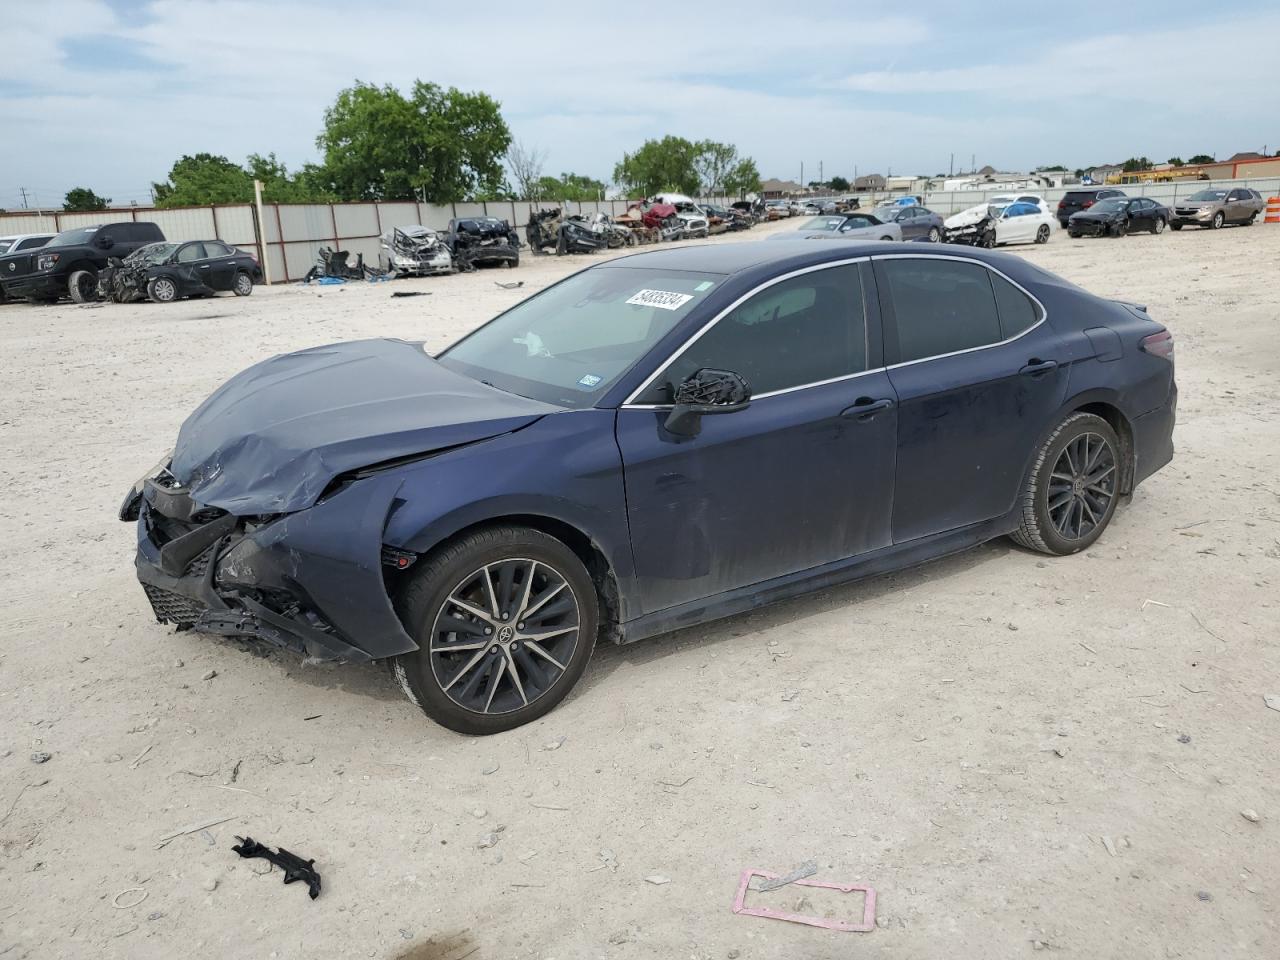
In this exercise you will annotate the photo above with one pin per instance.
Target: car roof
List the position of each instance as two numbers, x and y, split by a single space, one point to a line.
26 236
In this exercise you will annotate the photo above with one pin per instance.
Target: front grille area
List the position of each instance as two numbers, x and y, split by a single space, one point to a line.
172 607
200 564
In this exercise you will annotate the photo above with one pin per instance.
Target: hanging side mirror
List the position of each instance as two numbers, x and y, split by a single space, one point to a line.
706 392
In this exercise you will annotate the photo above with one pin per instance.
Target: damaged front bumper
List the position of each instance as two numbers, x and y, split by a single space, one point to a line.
310 581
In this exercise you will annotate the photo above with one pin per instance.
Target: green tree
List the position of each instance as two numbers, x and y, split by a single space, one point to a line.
744 178
1176 162
658 166
204 179
569 186
279 186
1201 158
841 185
1134 164
437 144
82 198
713 161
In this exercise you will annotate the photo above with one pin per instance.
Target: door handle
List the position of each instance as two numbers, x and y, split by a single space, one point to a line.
866 408
1036 367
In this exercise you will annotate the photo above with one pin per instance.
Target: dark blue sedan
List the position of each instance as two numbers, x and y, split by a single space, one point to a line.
652 443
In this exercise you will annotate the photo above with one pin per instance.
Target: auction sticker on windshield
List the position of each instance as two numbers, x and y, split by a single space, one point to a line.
662 299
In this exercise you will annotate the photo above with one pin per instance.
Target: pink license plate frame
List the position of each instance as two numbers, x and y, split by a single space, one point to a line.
845 926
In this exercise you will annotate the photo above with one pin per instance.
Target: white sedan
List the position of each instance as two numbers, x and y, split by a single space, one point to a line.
997 222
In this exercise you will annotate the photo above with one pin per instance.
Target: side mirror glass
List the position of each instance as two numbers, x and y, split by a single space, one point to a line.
706 392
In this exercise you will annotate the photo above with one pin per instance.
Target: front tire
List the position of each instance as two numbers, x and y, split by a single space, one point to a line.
82 285
935 235
505 619
162 290
1120 229
1175 226
1042 234
1073 487
1219 219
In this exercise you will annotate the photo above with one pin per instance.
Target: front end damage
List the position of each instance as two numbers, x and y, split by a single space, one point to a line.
310 581
414 251
484 240
123 281
552 230
975 227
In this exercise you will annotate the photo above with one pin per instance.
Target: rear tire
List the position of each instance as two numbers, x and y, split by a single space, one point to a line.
1175 226
82 285
243 284
1073 487
451 688
1158 226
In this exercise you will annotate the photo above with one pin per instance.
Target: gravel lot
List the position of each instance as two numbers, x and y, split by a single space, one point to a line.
1019 753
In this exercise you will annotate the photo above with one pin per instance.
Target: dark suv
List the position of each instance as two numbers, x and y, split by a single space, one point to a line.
68 265
1077 200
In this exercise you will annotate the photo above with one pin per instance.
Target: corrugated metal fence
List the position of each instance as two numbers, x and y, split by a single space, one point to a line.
296 231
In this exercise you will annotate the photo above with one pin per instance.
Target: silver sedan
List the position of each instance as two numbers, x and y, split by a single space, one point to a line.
861 226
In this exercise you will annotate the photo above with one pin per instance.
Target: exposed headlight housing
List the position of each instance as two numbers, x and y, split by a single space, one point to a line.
46 261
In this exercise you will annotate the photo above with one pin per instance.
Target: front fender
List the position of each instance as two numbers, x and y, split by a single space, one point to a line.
565 467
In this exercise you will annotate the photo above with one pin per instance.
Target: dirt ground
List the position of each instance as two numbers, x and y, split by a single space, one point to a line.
1018 753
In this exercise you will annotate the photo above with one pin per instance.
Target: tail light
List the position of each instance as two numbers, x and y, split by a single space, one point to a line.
1088 204
1159 344
1061 204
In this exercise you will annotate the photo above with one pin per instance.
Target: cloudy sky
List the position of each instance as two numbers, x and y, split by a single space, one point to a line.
108 93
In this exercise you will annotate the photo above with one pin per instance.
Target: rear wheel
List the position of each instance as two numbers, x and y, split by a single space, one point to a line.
243 285
505 620
82 285
1252 217
1073 488
162 290
1074 234
1042 233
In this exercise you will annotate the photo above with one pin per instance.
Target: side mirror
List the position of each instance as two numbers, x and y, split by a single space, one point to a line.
706 392
105 243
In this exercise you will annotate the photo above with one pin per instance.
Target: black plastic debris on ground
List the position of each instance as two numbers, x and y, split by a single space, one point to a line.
294 867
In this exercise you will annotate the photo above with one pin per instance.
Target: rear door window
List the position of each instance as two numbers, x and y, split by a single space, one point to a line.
940 307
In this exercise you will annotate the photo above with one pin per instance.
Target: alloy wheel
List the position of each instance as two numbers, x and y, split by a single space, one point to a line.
244 285
163 290
1082 486
504 636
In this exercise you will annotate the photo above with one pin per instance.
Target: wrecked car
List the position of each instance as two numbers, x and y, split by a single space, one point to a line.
334 264
694 219
649 444
68 265
990 224
414 251
475 240
164 272
552 230
653 222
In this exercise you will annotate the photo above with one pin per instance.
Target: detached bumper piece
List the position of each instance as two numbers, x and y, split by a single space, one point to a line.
266 578
294 867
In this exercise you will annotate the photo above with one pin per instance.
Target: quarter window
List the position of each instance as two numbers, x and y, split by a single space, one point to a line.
940 306
1018 312
802 330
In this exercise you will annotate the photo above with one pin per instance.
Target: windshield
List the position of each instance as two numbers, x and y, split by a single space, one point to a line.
6 244
1210 195
995 209
571 343
73 238
1110 205
152 253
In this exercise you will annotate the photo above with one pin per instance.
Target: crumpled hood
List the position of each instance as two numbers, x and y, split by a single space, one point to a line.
271 438
967 218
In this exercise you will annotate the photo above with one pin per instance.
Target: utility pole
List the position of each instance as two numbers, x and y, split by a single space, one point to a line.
802 175
820 180
973 163
24 197
951 170
262 233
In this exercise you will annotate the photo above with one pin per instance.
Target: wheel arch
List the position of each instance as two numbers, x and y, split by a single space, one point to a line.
1106 409
600 566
